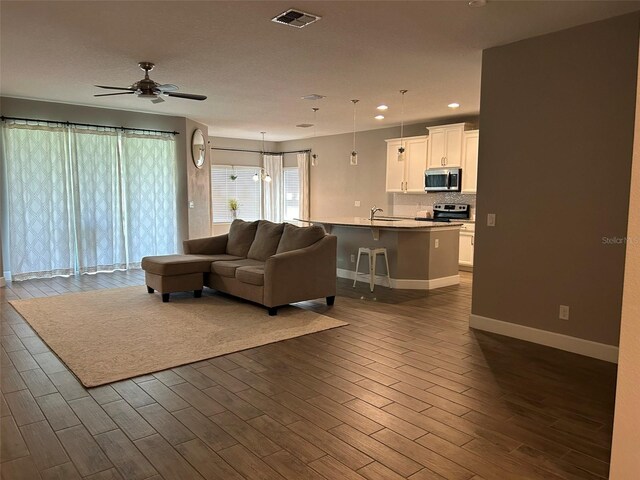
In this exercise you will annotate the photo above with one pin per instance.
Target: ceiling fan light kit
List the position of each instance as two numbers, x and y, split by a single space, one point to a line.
147 88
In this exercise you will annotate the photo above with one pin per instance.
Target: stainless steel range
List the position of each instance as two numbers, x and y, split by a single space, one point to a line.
446 212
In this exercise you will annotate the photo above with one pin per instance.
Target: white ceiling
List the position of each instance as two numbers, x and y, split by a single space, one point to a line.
254 71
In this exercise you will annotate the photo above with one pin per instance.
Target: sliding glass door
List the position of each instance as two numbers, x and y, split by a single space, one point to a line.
82 199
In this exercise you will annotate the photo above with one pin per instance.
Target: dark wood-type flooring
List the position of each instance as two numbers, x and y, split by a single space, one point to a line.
405 391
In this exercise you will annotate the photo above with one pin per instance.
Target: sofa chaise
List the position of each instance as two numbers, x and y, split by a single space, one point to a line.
272 264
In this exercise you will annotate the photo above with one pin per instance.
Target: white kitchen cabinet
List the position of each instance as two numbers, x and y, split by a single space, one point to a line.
446 145
470 161
467 237
407 176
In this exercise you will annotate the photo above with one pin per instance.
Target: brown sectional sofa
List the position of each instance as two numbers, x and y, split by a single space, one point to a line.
272 264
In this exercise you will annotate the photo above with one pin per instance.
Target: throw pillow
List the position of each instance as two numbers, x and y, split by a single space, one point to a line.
266 241
294 237
241 235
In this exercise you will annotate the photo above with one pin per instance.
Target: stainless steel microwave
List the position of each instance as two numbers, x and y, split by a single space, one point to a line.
443 180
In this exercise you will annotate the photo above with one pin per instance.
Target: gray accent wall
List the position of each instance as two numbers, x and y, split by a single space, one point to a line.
557 115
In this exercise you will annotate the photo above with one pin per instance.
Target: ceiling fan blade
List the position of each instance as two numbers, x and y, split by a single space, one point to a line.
115 88
109 94
189 96
167 87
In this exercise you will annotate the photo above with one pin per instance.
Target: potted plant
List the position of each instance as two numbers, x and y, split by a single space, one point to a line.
233 206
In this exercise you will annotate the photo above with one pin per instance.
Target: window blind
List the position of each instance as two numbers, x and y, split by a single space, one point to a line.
228 182
291 193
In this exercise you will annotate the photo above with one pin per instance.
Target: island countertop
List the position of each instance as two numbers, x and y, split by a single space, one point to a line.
384 222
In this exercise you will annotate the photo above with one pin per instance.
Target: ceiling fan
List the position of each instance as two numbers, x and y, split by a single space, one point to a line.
147 88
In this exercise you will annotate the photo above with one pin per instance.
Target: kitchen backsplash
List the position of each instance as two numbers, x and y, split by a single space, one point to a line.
406 204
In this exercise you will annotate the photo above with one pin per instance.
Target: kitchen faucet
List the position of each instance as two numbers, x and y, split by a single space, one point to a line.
374 209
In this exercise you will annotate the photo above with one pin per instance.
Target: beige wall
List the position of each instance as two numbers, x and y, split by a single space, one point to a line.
625 460
554 165
198 181
222 157
335 185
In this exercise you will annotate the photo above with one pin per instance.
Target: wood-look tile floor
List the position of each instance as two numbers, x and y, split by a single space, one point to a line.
405 391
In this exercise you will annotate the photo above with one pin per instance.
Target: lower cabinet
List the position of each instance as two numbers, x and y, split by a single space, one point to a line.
467 237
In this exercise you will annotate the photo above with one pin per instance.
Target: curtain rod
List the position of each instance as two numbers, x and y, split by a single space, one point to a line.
258 151
3 118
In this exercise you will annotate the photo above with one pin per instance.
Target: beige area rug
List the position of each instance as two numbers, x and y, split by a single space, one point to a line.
109 335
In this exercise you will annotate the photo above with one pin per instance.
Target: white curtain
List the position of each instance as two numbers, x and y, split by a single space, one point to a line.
40 236
303 172
273 205
98 208
149 183
83 199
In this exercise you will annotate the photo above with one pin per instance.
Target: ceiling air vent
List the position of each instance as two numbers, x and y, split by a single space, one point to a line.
296 18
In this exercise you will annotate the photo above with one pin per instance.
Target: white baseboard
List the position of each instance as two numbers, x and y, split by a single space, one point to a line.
3 283
402 283
601 351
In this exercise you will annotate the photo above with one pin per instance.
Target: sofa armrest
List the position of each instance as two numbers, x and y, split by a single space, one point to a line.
302 274
206 246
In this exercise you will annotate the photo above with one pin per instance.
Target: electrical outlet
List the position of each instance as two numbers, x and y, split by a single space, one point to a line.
491 219
564 312
356 203
191 204
353 258
437 242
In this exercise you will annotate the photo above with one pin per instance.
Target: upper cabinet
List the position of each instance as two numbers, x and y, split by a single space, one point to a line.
446 145
407 176
470 161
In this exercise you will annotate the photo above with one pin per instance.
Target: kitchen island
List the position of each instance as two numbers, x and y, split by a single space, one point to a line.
422 254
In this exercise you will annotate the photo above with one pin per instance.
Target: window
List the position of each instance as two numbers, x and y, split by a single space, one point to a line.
291 193
235 183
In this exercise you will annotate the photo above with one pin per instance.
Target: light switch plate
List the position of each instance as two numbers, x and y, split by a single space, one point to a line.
491 219
356 203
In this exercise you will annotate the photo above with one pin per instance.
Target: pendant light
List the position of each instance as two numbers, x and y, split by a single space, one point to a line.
314 155
401 149
263 174
353 160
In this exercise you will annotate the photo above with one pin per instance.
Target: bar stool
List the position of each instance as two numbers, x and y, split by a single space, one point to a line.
373 253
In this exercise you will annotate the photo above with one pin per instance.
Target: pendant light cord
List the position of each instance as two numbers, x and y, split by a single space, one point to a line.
402 119
354 124
314 156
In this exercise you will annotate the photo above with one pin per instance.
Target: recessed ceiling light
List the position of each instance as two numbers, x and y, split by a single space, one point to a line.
453 105
477 3
313 96
379 117
382 107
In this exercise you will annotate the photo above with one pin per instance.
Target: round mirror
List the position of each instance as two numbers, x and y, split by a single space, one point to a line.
198 146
